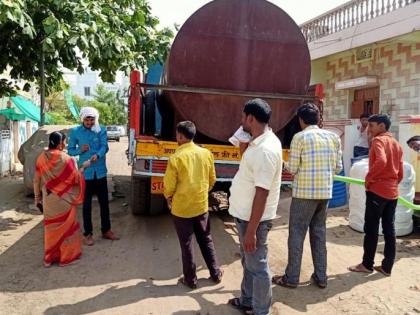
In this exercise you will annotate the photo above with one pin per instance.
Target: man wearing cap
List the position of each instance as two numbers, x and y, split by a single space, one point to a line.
89 142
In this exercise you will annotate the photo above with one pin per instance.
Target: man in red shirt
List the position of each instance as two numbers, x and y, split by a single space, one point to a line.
385 174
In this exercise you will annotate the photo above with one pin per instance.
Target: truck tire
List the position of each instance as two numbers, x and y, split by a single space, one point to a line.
157 205
139 195
142 202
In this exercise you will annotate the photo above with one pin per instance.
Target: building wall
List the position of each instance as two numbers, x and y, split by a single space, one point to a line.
397 66
91 79
5 152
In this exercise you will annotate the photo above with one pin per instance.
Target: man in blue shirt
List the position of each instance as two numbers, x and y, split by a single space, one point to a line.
89 142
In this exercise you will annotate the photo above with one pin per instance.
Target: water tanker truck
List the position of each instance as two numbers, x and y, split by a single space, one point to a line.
226 53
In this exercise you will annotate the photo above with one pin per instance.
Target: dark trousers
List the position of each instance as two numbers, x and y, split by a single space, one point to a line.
200 227
379 208
360 151
98 187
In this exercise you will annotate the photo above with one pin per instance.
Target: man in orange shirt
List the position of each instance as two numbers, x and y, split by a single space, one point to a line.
385 174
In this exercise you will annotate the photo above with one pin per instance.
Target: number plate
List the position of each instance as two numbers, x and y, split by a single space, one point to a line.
156 185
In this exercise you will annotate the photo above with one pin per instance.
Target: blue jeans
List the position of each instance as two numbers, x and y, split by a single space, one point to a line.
256 282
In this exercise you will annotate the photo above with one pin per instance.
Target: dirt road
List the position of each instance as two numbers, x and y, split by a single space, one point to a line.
138 274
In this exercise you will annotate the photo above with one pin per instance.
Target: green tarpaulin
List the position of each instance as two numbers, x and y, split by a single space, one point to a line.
28 108
70 104
11 114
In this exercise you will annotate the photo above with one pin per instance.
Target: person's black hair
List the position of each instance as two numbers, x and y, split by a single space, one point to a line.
186 128
259 109
309 113
55 139
381 119
415 138
364 115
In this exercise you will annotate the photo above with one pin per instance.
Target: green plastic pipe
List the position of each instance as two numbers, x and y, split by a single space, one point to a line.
402 201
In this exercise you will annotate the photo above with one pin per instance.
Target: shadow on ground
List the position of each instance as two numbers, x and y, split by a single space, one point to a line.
307 294
114 297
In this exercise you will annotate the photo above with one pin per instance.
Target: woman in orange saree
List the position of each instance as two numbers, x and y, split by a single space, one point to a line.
59 188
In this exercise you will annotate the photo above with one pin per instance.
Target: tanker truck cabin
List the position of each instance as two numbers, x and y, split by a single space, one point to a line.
226 53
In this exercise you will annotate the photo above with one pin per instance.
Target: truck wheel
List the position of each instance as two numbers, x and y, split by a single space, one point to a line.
157 205
142 202
139 195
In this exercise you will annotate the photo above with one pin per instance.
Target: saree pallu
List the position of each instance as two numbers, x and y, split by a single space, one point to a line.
62 187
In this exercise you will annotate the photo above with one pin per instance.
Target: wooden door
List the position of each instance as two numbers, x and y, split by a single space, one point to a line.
365 101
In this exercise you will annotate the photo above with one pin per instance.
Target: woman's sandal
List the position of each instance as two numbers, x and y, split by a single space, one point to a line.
236 303
359 268
381 270
282 281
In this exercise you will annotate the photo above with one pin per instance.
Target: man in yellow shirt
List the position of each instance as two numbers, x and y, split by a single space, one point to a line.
189 177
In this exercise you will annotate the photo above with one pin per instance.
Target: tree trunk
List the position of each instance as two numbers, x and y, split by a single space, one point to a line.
42 88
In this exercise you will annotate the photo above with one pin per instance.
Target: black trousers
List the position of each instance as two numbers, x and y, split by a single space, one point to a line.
360 151
379 208
98 187
200 227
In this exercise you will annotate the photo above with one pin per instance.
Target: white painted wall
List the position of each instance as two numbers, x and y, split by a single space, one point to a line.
91 79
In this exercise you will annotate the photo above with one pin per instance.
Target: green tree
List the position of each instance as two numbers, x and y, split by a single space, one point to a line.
110 106
103 95
46 36
115 105
58 109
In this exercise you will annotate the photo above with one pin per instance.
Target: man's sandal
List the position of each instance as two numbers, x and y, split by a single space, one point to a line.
282 281
320 284
359 268
236 303
381 270
219 277
187 284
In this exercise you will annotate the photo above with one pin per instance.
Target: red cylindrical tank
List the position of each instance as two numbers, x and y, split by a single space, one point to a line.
240 45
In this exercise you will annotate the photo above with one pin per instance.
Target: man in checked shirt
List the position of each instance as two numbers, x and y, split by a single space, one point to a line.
315 156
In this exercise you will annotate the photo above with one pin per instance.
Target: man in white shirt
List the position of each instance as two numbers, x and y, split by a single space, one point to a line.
414 143
361 147
255 194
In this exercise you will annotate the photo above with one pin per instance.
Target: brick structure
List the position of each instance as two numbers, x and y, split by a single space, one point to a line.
397 67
